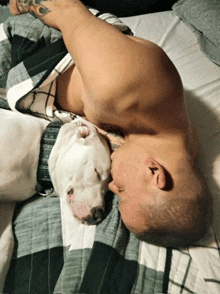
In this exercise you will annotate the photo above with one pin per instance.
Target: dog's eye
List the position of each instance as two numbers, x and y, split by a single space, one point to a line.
70 191
98 175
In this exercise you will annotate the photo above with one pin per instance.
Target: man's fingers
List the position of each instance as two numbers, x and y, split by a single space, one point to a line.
38 8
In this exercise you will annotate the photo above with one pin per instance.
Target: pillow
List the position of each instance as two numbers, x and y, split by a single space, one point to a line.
130 7
203 18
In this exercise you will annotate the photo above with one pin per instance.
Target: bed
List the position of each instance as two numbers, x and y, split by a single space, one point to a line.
54 254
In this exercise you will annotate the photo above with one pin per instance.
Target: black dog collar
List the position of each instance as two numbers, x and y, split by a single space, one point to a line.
47 142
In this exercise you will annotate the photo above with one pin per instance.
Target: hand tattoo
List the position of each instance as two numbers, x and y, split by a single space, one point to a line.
34 7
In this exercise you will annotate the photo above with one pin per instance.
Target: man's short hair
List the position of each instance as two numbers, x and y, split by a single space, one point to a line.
180 217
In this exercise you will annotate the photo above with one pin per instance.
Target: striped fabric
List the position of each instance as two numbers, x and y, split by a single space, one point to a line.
55 254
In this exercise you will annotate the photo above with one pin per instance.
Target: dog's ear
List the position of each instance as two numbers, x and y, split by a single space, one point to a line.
83 131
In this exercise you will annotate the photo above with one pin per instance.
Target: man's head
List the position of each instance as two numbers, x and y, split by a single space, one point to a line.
171 209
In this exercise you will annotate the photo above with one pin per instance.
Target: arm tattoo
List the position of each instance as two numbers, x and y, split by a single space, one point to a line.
34 7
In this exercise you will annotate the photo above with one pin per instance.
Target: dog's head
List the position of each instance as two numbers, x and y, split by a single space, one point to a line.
79 167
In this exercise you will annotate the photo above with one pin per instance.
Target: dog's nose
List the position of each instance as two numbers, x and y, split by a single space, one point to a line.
95 217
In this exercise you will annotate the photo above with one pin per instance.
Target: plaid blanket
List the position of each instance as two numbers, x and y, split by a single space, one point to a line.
53 252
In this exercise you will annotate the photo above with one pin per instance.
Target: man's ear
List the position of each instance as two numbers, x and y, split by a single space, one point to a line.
158 173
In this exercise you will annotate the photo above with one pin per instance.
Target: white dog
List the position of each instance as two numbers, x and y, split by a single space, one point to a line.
79 166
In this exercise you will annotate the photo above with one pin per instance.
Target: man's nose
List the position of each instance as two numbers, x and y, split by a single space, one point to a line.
112 155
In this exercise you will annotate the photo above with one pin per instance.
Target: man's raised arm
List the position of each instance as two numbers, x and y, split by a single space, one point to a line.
120 75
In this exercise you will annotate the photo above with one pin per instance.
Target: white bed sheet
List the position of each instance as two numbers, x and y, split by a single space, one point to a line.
201 81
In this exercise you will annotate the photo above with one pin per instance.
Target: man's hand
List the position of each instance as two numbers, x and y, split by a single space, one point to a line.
48 11
34 7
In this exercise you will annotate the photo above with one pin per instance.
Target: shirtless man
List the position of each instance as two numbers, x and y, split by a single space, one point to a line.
130 83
